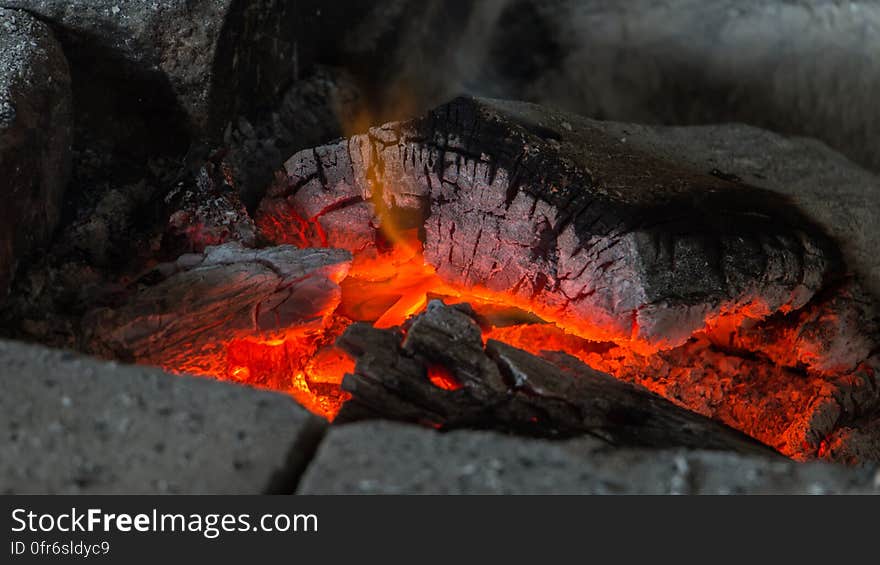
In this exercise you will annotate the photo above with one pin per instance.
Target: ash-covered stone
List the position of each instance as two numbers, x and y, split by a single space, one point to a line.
216 55
71 424
35 137
389 458
798 67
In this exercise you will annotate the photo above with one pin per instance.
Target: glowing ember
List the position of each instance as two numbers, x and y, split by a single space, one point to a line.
658 276
240 373
442 378
388 287
383 288
388 281
306 366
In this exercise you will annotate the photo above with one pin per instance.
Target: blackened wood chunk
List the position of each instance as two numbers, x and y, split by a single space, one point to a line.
548 209
501 387
183 315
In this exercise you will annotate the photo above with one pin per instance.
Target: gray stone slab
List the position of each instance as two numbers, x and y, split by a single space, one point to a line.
72 424
386 458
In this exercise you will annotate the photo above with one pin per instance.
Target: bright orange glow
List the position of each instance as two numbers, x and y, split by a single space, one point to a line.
388 287
299 365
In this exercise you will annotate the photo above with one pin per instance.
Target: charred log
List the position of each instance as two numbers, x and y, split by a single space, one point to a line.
185 315
501 387
793 409
614 241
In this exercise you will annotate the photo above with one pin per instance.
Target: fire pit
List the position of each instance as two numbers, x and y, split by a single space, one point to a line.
563 255
304 228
